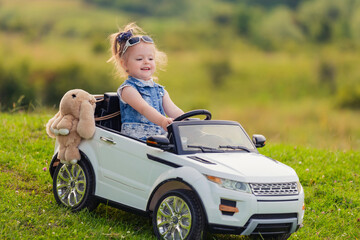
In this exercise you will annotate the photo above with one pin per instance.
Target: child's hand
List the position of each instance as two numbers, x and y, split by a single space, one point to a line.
165 122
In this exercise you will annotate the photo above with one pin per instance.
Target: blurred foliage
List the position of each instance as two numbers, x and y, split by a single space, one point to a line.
14 89
327 75
263 50
349 96
159 8
218 69
325 20
271 4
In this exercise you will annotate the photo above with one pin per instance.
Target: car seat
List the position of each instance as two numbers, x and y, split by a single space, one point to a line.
107 112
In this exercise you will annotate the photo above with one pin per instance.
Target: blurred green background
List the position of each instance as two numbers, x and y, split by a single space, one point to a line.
287 69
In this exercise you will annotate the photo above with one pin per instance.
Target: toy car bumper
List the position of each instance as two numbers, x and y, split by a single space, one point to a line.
246 214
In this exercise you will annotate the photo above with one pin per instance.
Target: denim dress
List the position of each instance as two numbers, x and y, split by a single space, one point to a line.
133 123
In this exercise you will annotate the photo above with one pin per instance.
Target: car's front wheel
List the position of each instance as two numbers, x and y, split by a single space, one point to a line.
72 186
178 215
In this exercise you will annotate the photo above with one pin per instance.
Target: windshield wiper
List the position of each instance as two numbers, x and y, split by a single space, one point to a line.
204 148
236 148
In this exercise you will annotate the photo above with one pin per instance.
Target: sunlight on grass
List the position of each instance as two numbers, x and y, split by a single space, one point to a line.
330 179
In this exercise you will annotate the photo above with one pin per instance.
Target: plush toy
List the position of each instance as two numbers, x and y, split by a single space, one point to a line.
74 121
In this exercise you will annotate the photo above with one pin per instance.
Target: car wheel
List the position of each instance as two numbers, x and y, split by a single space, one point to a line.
178 215
72 186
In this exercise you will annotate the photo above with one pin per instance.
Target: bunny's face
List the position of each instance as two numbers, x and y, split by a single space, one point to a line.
72 101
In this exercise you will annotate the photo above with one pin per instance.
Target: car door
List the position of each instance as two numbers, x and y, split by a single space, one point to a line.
127 175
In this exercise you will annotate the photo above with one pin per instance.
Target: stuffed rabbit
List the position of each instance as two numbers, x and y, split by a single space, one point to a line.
74 121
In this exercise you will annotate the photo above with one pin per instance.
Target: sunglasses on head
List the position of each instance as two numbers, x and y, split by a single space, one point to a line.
135 40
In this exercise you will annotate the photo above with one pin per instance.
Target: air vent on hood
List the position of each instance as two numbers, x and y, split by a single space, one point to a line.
201 160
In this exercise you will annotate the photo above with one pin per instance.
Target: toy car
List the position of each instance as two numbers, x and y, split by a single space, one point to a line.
205 175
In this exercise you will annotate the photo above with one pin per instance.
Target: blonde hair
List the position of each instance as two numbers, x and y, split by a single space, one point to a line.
118 46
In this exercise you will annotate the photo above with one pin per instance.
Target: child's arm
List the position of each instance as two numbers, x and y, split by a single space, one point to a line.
131 96
170 108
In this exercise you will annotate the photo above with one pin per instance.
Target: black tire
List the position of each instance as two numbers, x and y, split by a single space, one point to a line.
178 212
73 186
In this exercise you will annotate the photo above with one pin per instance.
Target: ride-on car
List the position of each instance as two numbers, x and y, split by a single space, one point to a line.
205 175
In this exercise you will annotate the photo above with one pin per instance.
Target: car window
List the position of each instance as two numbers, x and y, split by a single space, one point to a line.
213 137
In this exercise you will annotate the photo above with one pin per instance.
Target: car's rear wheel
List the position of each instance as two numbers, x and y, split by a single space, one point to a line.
178 215
73 185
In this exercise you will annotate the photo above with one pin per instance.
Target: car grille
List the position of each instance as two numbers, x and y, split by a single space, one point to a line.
274 189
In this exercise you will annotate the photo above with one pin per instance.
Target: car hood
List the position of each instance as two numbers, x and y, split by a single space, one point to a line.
249 167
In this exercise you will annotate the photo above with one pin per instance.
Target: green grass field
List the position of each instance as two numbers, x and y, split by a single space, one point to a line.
29 211
304 97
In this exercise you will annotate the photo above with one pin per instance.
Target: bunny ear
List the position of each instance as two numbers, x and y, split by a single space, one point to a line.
86 125
50 123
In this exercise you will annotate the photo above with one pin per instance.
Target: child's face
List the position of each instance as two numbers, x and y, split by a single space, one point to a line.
140 61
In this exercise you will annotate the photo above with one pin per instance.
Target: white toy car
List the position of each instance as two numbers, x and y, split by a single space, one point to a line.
205 175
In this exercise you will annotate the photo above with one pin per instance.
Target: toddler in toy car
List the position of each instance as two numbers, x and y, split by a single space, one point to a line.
144 104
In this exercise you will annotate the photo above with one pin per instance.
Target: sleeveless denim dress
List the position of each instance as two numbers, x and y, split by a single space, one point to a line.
133 123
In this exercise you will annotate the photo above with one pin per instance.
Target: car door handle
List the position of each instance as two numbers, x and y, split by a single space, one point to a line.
108 140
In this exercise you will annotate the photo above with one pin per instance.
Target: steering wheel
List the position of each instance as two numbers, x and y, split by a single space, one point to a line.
194 113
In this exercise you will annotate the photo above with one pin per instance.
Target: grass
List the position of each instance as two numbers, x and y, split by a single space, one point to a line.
28 209
331 183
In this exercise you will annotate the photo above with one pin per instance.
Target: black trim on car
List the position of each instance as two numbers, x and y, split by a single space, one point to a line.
122 206
163 161
286 200
199 159
224 229
273 216
229 203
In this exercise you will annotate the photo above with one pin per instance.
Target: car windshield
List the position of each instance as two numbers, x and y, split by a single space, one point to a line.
214 138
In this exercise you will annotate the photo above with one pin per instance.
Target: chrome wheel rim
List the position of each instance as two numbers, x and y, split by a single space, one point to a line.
173 218
71 184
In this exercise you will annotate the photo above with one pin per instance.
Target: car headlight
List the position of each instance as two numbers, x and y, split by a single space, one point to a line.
230 184
299 187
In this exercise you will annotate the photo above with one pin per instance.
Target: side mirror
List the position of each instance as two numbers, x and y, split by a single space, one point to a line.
158 141
259 140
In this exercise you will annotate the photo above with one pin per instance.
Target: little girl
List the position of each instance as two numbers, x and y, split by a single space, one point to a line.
143 103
